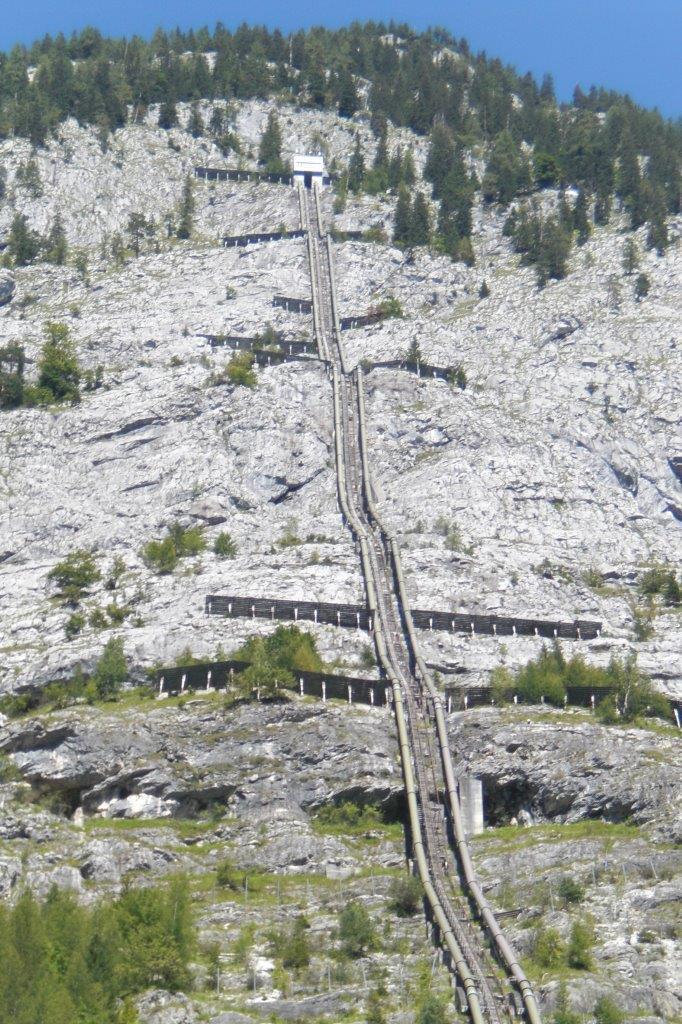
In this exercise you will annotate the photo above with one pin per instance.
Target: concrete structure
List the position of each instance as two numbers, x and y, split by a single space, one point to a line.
471 800
309 170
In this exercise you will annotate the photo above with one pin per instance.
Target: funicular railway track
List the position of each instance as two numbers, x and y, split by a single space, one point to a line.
466 927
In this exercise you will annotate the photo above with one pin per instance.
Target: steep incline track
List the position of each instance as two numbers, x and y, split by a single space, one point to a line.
438 840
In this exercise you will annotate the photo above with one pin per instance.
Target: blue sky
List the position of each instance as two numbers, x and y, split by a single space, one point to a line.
629 45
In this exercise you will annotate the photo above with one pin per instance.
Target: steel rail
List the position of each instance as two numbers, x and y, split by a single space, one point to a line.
420 765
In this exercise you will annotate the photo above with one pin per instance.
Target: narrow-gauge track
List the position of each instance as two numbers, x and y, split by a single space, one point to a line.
466 926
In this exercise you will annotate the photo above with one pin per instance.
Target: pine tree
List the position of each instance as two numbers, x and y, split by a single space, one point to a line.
270 148
657 234
441 157
642 286
419 232
23 244
168 114
58 370
56 246
186 213
581 221
356 167
12 361
349 101
195 124
137 228
402 218
630 256
507 173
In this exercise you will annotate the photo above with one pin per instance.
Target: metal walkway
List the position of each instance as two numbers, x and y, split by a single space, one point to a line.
464 923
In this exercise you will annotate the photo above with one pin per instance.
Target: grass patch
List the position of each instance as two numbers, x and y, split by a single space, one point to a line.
519 838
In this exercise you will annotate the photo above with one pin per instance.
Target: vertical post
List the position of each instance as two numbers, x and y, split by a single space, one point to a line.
182 682
324 692
371 695
208 680
295 614
300 683
161 682
466 701
350 694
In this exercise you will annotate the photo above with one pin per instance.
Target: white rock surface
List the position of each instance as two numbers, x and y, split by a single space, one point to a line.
559 457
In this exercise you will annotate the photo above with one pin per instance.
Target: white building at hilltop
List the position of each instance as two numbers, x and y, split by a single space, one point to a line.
309 170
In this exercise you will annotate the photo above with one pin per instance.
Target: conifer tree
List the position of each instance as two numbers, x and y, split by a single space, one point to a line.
356 167
270 148
630 256
186 215
56 246
195 124
349 101
581 221
23 243
657 234
58 370
168 114
507 173
441 157
419 232
409 173
401 220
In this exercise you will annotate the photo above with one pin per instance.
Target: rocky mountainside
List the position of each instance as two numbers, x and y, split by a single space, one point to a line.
546 487
557 467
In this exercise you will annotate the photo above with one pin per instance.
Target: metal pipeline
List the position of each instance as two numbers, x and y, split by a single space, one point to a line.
503 947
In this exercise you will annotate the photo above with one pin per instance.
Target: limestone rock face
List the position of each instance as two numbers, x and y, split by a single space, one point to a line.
7 287
546 488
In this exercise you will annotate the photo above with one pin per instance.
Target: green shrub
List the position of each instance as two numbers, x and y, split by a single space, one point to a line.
457 377
374 1012
275 659
117 613
606 1011
240 370
180 542
161 555
224 546
581 941
661 581
229 877
98 619
75 574
562 1013
58 370
349 818
111 670
548 948
406 896
431 1011
75 624
389 308
296 951
571 891
66 962
356 931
